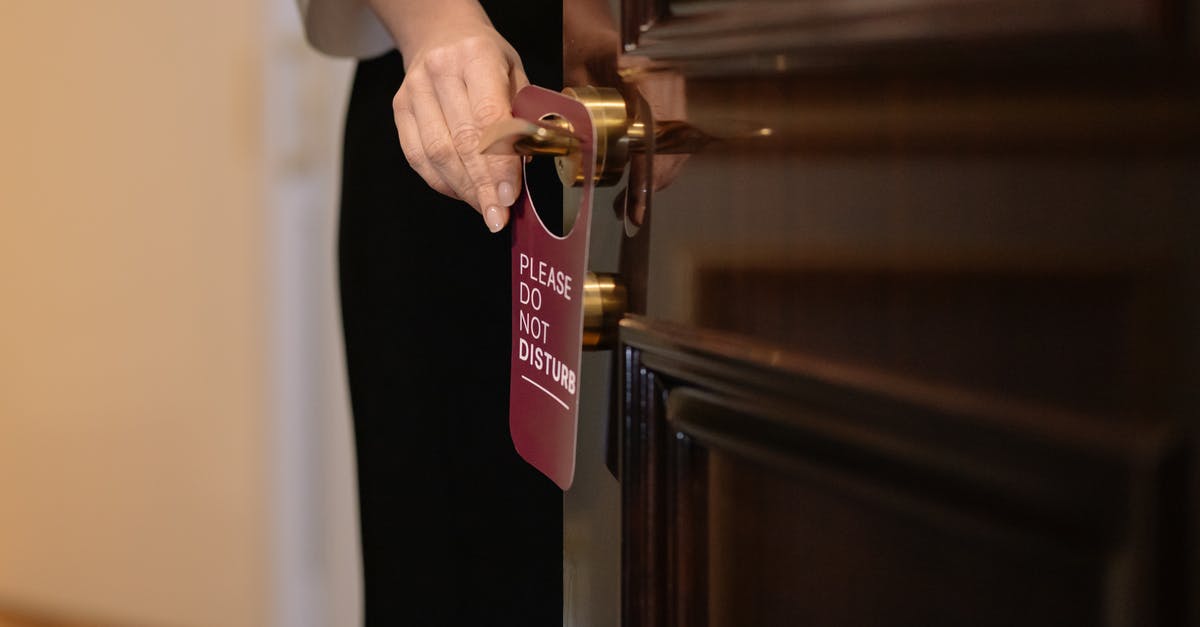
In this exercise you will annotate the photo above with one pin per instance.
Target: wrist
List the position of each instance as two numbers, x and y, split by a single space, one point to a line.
414 23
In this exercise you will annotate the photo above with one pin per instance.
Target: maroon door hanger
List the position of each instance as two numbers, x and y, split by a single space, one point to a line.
547 308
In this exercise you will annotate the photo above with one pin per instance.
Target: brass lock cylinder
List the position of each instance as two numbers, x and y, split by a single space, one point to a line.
604 303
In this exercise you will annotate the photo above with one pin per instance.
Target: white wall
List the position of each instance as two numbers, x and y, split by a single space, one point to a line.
173 438
317 545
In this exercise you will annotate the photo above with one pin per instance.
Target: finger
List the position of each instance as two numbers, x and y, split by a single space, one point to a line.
517 80
506 170
454 97
517 77
666 169
437 142
489 91
637 193
414 152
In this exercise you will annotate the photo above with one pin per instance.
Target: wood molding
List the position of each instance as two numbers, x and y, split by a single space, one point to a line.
1017 473
14 618
717 37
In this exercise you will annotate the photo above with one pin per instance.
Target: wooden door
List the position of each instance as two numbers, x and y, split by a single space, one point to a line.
914 339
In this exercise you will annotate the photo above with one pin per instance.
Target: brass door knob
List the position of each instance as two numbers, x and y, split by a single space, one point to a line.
604 303
615 129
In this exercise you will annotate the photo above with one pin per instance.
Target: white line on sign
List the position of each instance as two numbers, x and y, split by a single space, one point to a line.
548 392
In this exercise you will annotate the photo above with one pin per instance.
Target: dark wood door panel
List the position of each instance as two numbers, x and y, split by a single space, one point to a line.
1098 341
1041 280
784 552
917 338
739 36
761 489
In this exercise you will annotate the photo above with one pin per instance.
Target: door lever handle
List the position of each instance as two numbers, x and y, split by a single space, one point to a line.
621 131
515 136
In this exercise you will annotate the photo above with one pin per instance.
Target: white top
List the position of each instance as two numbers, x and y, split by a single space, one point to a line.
344 28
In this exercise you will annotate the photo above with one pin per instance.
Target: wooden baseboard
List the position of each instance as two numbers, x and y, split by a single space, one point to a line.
13 618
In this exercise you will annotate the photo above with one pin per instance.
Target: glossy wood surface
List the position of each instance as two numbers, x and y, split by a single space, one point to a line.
776 490
731 37
917 333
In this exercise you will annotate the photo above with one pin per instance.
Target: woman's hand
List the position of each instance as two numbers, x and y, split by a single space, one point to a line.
460 77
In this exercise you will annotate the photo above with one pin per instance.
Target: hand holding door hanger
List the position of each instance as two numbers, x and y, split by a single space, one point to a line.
592 134
461 76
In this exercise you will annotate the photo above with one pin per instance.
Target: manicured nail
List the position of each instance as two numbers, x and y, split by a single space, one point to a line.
506 193
494 219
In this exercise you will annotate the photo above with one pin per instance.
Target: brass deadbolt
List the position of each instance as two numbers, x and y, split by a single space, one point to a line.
605 301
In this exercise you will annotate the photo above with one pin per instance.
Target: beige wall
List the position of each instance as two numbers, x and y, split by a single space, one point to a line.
135 412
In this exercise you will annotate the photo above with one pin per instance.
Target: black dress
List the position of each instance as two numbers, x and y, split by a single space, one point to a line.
456 528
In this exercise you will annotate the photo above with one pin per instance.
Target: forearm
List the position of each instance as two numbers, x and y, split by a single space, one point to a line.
412 22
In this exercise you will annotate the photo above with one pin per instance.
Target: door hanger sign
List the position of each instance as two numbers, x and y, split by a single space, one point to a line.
547 308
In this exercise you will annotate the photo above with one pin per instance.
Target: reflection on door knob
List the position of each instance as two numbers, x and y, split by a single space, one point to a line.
604 302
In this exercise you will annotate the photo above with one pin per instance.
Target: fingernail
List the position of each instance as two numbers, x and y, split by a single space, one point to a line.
506 193
494 219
